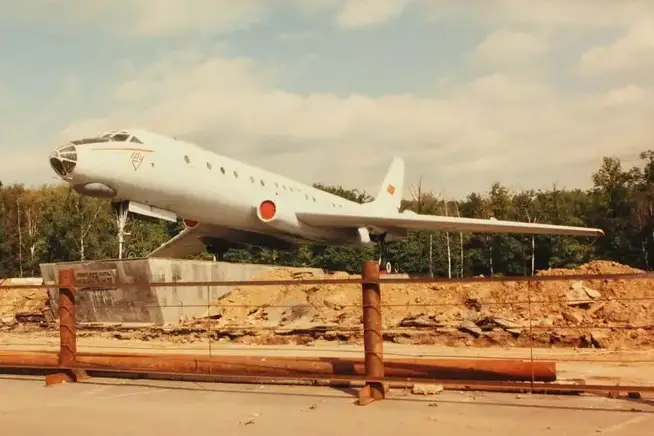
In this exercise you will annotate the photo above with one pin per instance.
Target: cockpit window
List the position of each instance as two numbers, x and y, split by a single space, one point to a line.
109 137
121 137
90 140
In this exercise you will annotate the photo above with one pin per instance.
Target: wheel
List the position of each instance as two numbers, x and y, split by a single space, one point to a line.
387 266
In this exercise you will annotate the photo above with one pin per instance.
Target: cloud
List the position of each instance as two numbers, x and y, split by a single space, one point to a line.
182 17
363 13
494 127
296 36
630 58
157 18
507 47
152 18
490 115
578 13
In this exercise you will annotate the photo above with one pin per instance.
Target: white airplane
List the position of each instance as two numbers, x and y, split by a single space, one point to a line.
223 200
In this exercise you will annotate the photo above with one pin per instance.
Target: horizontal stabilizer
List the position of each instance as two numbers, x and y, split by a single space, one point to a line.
438 223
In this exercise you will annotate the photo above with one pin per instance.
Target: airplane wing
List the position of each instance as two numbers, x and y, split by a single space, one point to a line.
438 223
186 243
193 240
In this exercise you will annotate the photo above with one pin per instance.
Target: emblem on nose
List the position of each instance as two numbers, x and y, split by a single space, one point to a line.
137 159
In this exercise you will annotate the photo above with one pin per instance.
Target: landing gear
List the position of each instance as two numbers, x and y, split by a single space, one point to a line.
385 266
121 209
217 250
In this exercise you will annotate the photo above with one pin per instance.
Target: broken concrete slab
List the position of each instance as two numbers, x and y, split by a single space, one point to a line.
470 327
426 389
573 317
600 338
580 295
421 321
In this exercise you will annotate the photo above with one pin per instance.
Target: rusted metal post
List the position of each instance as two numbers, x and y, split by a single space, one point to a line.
372 334
67 332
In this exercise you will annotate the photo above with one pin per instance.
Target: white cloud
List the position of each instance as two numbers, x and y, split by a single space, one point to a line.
296 36
176 17
155 18
506 47
631 57
355 13
501 125
495 127
578 13
144 17
361 13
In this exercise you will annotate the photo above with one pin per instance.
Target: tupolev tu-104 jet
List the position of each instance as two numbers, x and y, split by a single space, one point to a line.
224 201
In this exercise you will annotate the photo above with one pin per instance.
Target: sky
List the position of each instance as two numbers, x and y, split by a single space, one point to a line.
469 92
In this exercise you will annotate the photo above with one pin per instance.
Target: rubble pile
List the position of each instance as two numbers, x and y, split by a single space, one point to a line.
598 313
615 314
23 305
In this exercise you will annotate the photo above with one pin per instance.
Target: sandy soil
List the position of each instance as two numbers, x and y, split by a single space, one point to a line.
146 407
597 313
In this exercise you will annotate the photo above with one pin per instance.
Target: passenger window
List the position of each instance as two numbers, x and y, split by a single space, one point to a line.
122 137
222 170
306 196
252 179
187 159
263 183
314 199
209 165
135 139
235 174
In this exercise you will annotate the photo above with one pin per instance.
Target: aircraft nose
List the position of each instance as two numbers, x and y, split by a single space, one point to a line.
64 160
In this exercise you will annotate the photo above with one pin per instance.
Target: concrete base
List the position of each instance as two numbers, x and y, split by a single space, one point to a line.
161 305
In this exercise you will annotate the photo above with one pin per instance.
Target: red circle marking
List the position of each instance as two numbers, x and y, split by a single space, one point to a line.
267 210
190 223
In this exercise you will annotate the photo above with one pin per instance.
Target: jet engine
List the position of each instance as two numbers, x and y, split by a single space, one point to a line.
278 216
282 218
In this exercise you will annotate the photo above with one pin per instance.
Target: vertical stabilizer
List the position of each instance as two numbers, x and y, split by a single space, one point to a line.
390 194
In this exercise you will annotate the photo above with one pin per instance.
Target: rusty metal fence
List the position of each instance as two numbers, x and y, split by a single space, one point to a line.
375 372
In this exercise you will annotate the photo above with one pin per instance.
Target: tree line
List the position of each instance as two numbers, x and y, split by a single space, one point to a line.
53 223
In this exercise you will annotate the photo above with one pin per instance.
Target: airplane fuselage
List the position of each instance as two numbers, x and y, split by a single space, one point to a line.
197 185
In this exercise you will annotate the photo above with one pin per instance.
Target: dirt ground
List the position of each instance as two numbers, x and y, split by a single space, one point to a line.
598 313
148 407
605 314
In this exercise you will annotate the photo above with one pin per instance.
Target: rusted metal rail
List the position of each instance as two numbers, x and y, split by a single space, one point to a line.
44 361
272 366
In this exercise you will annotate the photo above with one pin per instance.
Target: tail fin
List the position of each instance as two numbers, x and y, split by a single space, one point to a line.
390 194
